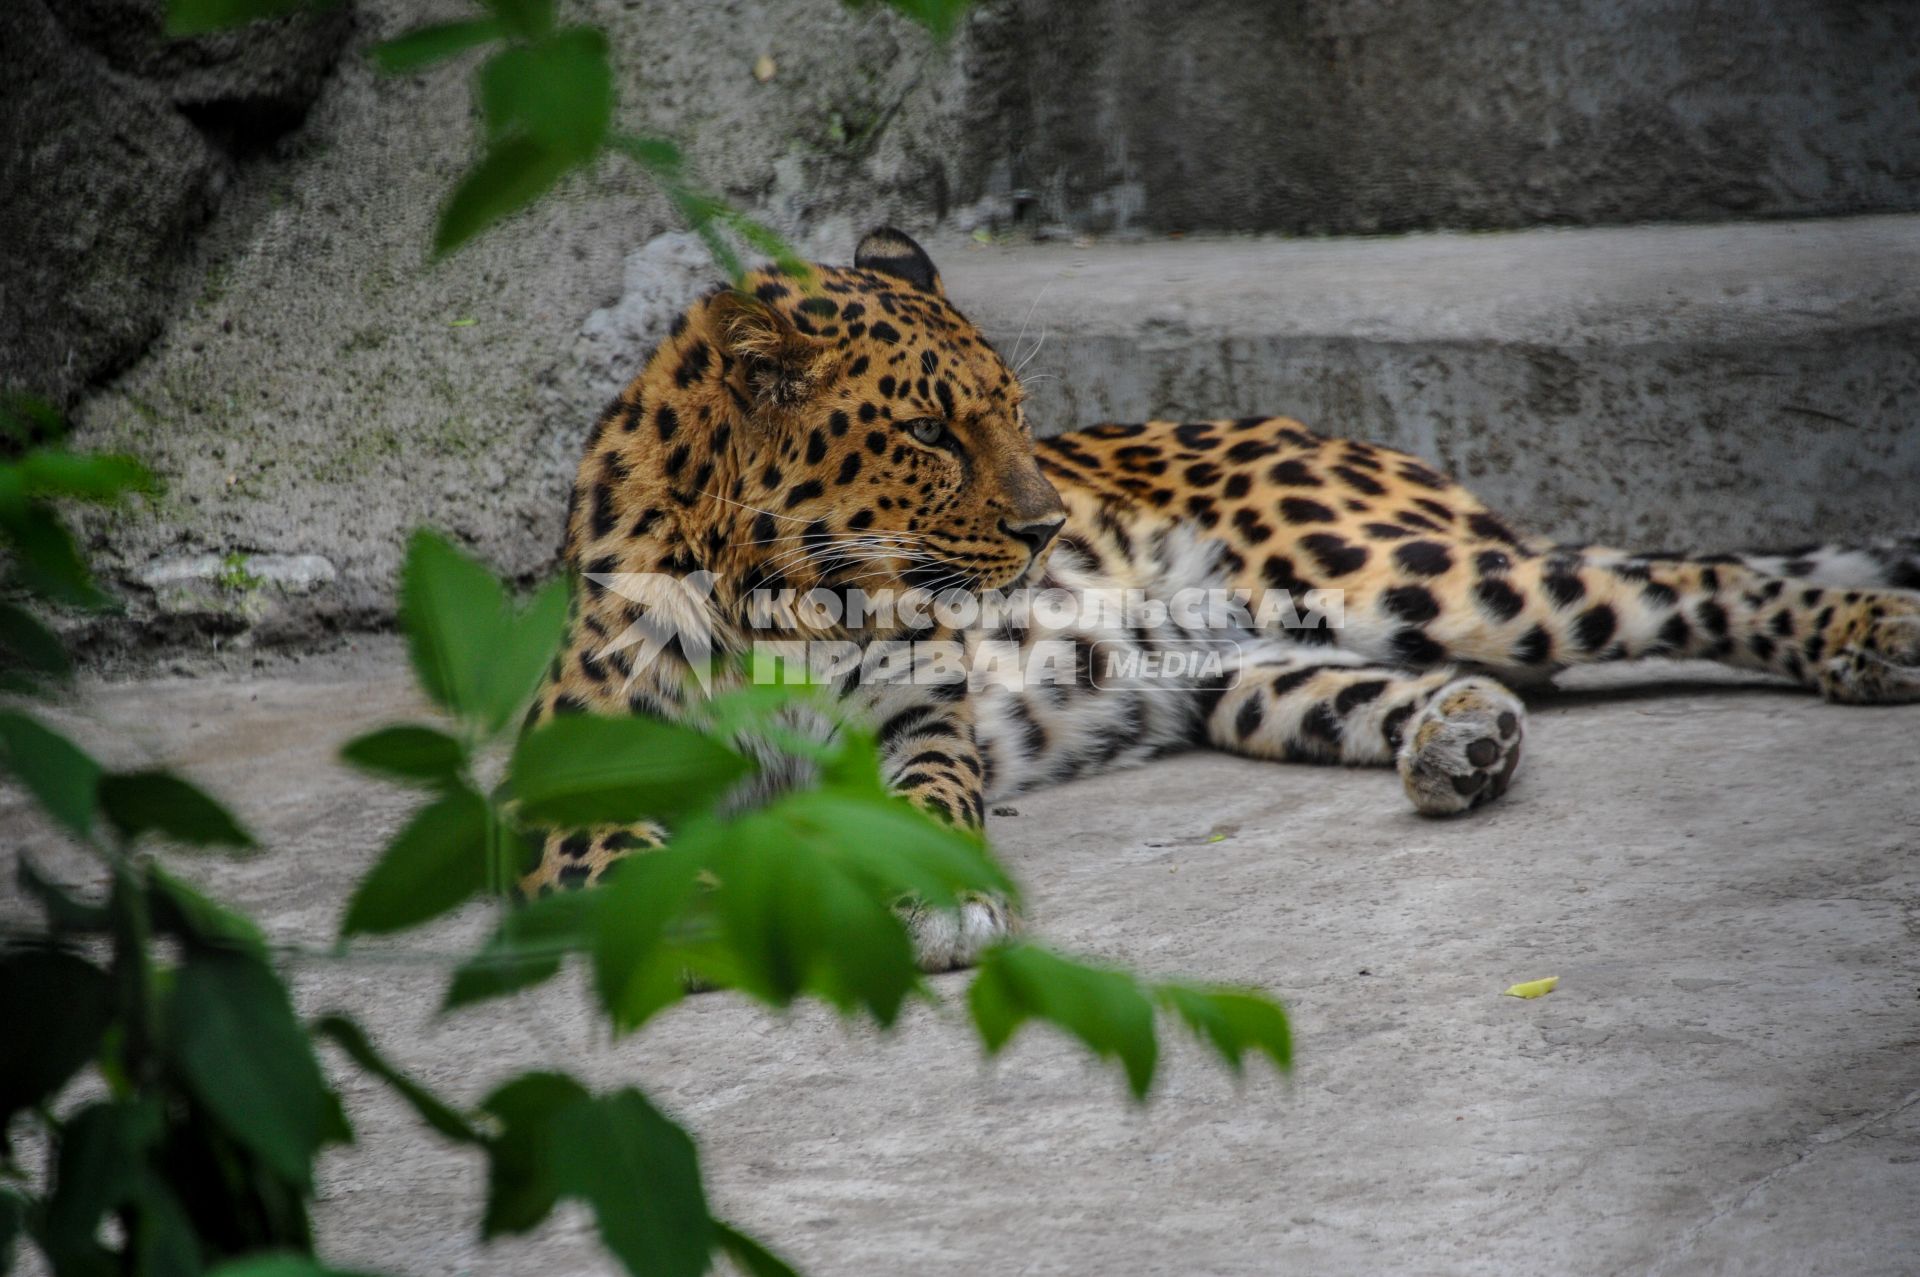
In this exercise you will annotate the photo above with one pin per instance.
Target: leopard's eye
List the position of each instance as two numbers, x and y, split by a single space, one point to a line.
927 431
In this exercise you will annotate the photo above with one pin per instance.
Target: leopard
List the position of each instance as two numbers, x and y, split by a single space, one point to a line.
849 428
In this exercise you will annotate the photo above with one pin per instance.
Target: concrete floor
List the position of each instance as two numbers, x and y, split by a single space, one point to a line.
1723 875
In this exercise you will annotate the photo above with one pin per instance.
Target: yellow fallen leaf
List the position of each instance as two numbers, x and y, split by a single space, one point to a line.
765 68
462 323
1534 988
1218 838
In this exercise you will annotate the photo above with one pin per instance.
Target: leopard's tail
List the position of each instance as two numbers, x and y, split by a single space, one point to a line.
1892 564
1889 564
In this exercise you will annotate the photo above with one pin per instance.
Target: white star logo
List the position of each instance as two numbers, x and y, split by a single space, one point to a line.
673 611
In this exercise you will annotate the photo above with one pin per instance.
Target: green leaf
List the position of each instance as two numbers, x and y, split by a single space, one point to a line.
197 17
475 655
434 1111
748 1255
55 1007
556 91
183 912
525 950
1234 1022
433 865
635 972
710 218
703 214
423 46
45 561
409 753
855 764
234 1037
26 644
339 1128
941 17
640 1174
547 105
102 1163
64 911
521 1183
582 770
62 778
765 240
524 17
97 476
806 889
452 610
765 705
655 154
799 921
164 1243
512 175
901 849
1106 1010
13 1222
29 420
158 802
516 666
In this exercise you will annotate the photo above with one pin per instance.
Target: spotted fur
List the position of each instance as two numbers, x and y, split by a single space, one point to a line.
858 431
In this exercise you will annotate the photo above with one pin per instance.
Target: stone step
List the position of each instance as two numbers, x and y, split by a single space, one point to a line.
1702 385
1708 386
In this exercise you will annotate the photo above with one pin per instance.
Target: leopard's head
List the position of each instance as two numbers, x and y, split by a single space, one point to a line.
872 438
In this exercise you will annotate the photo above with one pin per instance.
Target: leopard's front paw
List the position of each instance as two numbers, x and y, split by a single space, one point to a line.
1462 748
947 939
1878 662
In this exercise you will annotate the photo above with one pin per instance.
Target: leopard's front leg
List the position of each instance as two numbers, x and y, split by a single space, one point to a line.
572 859
595 675
1455 739
929 756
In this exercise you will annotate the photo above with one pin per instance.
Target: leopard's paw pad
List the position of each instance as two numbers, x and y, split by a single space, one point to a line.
1462 748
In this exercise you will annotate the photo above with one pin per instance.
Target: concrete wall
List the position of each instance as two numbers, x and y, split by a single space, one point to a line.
1343 116
1704 388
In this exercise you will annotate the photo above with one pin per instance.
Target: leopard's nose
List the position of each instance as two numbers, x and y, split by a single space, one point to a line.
1037 533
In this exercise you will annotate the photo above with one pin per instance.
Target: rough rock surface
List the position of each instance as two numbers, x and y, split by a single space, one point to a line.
97 175
117 146
325 387
251 74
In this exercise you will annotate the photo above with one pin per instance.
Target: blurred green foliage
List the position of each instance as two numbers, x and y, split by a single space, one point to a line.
199 1139
203 1146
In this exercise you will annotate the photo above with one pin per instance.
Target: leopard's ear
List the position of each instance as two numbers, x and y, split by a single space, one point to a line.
779 365
893 252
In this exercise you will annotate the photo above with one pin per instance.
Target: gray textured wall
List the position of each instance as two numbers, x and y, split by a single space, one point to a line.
116 144
257 316
1298 116
1341 116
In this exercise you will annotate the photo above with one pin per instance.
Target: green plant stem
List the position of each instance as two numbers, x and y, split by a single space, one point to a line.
500 856
132 922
